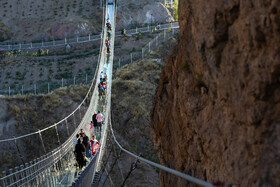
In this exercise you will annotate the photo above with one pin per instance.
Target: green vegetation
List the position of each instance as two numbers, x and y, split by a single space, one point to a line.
175 8
139 36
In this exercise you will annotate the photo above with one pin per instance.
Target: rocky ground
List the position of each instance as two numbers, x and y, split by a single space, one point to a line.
218 97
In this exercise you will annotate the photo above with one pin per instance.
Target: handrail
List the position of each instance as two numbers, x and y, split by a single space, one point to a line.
169 170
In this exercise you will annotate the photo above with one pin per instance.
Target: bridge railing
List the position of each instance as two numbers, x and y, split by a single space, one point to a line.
82 39
50 169
161 37
87 176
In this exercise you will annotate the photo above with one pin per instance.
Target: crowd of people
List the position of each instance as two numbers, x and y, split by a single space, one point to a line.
85 148
107 41
102 85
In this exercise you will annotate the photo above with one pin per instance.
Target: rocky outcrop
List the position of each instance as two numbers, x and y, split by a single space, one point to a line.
217 103
141 13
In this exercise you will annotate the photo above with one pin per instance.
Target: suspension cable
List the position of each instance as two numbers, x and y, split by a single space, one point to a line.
103 168
115 161
132 168
169 170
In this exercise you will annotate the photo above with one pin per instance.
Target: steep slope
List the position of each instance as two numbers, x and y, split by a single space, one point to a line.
25 114
217 103
132 93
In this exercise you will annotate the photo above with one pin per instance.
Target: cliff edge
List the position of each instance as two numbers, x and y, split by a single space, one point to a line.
216 114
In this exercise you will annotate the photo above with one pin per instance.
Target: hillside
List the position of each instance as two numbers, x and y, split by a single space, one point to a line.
133 89
37 20
24 114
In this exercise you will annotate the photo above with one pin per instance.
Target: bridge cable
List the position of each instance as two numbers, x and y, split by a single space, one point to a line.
112 184
104 165
41 138
74 121
67 128
115 161
21 158
169 170
132 168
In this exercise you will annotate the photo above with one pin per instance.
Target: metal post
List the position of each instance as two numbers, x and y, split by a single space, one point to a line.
164 34
48 88
74 120
20 46
142 53
66 123
86 78
22 90
65 40
119 63
149 46
34 89
9 91
31 44
62 82
89 37
131 58
77 39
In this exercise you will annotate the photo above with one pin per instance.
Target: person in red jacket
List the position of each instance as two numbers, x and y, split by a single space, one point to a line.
94 145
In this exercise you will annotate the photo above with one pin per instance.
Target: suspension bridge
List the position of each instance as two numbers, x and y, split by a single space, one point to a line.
57 167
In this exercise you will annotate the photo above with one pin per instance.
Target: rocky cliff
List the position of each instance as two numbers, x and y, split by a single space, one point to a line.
216 114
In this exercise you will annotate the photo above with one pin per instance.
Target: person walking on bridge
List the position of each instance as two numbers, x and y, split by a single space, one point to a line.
80 151
94 120
99 119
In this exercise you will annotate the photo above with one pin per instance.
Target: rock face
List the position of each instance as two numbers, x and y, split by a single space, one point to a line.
216 114
141 12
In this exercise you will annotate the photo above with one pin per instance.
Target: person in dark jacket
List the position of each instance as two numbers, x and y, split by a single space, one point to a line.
80 151
94 120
